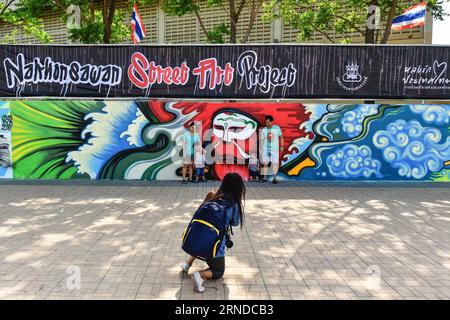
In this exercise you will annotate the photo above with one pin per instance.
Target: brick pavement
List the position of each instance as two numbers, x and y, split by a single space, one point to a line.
301 241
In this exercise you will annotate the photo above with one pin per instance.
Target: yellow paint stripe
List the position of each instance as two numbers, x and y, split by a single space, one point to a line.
183 234
208 224
308 162
44 114
215 248
447 163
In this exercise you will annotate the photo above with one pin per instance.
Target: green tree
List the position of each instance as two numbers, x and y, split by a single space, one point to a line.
341 17
98 22
221 32
19 19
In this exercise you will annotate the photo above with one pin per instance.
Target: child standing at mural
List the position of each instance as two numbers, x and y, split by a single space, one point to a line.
253 167
189 140
199 162
231 191
271 143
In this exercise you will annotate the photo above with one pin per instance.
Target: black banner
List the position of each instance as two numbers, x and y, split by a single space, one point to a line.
222 309
226 71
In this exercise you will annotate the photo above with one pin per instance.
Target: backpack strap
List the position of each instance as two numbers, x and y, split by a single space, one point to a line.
232 219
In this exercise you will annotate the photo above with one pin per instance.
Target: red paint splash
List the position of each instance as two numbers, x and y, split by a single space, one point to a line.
289 116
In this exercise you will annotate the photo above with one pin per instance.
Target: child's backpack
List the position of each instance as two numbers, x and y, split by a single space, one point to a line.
203 237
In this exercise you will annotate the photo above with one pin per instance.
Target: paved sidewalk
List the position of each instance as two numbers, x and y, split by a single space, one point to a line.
301 241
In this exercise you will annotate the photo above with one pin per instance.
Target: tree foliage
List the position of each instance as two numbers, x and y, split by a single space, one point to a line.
100 22
21 20
94 29
341 17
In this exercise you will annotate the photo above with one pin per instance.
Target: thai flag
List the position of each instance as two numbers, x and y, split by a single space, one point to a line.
137 26
411 17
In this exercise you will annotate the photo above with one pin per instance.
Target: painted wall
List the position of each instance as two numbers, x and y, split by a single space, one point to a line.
141 139
5 141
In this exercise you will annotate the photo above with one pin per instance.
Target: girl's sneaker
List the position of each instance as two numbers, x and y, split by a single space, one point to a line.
185 267
198 282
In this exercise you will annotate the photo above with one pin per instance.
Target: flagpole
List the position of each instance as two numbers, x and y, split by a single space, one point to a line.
425 26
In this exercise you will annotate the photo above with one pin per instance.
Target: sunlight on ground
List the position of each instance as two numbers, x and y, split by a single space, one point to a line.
300 244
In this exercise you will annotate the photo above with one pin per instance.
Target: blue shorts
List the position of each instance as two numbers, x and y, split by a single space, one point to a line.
199 172
253 173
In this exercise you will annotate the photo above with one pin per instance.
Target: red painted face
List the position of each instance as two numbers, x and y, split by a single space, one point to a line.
289 116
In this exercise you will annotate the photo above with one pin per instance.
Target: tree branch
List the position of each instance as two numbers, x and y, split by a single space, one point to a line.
105 11
7 5
202 25
112 10
324 34
232 8
253 15
234 19
387 31
352 25
241 6
60 5
109 19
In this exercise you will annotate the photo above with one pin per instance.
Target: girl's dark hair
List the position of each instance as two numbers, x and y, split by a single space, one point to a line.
233 188
191 124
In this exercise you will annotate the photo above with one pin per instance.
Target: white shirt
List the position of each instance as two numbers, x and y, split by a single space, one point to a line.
199 159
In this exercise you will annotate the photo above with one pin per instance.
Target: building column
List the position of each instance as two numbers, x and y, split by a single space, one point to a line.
277 31
428 29
160 24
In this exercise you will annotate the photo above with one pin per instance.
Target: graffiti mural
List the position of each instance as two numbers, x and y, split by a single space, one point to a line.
6 125
143 139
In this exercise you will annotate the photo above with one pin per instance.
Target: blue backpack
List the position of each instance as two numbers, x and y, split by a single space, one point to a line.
203 236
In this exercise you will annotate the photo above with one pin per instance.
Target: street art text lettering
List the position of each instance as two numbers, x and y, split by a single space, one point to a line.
428 76
20 73
264 77
208 69
143 74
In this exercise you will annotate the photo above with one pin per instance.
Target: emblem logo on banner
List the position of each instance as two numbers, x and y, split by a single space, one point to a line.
351 80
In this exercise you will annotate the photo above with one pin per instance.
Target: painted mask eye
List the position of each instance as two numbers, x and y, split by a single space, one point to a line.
231 127
236 129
